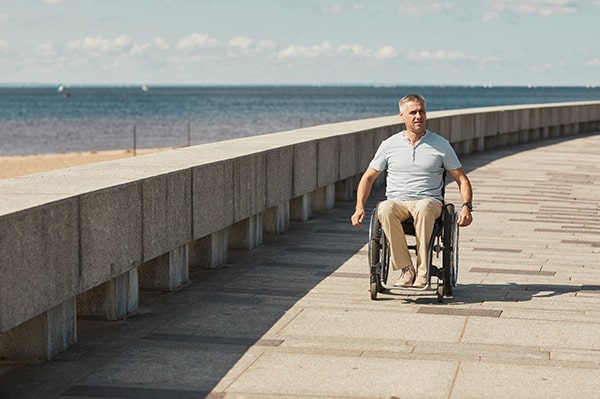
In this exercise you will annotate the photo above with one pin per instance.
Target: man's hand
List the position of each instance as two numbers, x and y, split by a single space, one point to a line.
358 217
464 217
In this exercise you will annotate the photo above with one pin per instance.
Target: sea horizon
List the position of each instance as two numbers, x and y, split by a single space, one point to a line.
159 85
43 118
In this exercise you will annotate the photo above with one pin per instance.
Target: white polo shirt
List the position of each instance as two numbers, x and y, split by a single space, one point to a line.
415 172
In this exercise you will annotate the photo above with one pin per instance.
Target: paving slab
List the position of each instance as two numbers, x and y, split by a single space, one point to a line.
294 319
329 376
497 380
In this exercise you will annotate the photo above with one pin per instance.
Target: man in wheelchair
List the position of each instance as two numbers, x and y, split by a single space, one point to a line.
416 160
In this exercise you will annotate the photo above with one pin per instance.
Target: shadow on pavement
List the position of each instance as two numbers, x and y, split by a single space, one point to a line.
181 344
482 293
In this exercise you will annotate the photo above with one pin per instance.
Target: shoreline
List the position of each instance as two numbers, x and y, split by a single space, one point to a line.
22 165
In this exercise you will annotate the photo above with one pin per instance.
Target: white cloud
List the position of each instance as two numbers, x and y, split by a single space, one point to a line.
386 52
52 2
353 49
440 55
241 42
100 44
334 9
340 8
594 62
489 60
46 50
428 7
137 48
4 44
543 8
305 52
197 40
266 45
489 16
344 50
161 43
248 46
360 51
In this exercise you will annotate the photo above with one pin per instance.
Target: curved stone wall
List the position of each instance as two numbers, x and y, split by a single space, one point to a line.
81 242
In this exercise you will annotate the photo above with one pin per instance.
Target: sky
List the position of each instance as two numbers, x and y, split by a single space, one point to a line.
299 42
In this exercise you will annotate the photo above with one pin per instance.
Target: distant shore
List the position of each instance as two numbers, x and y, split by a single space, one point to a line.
14 166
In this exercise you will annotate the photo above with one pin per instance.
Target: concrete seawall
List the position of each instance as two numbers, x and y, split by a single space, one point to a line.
81 242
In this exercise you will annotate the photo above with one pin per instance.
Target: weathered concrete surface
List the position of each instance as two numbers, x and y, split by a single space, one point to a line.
293 318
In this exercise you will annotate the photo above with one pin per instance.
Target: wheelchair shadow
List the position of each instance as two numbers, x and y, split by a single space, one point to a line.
518 292
468 294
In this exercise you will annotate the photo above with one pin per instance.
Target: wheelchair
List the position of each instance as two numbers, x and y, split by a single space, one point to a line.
444 240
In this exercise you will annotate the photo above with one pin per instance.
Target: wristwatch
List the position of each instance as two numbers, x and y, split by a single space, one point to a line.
468 205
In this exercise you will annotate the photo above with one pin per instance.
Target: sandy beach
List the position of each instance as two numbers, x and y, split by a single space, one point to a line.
13 166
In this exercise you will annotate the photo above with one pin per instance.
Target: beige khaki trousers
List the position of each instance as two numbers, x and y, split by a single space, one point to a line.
391 213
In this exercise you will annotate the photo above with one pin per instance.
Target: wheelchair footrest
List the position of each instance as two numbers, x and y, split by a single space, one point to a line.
428 287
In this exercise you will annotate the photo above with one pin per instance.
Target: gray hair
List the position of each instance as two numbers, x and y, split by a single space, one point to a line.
410 98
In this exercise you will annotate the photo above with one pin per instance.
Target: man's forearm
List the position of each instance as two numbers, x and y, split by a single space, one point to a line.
364 187
362 193
466 191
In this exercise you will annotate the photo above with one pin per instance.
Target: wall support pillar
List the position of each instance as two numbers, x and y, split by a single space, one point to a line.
43 337
247 234
324 198
112 300
301 207
210 251
166 272
276 220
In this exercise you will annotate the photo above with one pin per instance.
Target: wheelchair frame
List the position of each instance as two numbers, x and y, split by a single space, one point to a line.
443 239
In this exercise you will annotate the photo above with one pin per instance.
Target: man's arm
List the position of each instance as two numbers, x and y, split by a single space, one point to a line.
466 193
362 194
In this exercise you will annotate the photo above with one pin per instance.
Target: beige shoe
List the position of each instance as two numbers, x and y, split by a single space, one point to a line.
420 281
407 277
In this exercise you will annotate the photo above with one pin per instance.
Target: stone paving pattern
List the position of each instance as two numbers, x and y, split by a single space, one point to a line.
294 319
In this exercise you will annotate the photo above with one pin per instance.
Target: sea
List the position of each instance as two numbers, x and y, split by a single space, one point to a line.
59 119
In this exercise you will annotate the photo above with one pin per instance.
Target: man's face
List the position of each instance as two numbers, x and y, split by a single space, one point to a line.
414 116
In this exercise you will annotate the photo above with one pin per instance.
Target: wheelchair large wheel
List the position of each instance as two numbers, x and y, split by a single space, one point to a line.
374 255
379 257
455 252
385 262
450 251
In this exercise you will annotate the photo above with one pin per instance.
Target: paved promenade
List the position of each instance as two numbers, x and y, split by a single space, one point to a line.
294 319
